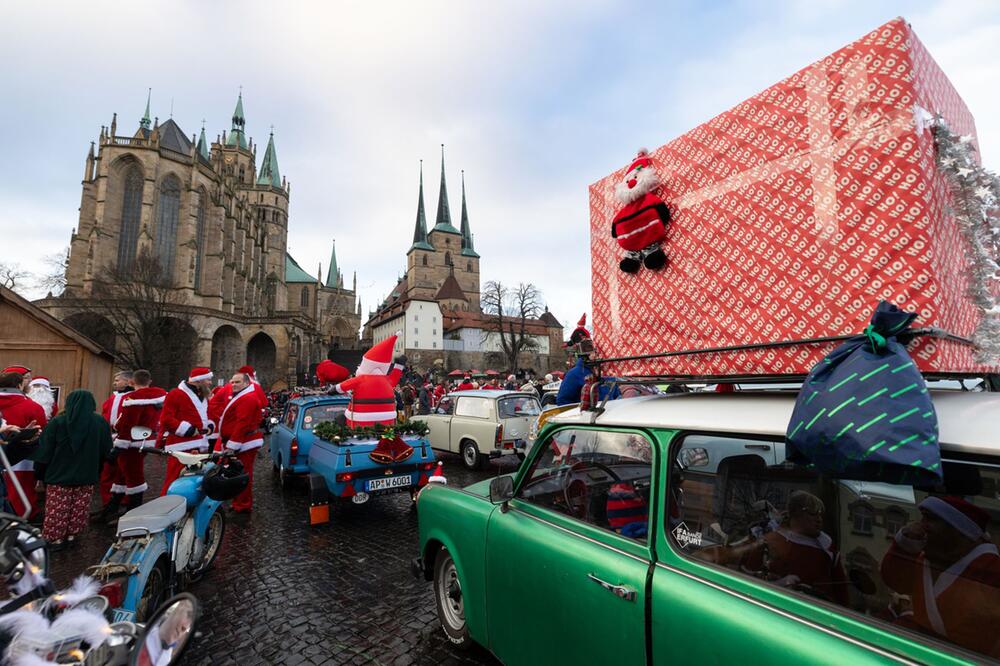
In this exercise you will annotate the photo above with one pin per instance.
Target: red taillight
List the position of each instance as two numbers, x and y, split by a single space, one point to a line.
113 592
499 435
428 466
345 476
293 451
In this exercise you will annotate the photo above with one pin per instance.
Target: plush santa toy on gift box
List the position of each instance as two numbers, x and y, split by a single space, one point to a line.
372 398
641 226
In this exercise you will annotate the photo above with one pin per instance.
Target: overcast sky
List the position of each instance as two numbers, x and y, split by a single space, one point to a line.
534 100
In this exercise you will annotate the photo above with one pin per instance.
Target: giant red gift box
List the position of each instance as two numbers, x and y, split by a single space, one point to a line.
794 213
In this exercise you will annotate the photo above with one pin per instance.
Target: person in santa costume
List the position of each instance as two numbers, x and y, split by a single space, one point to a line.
184 421
466 384
139 408
112 481
640 227
372 398
239 431
947 564
21 411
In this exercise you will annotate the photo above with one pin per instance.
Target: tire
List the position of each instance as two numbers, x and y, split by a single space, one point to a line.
154 592
214 534
450 602
470 455
285 477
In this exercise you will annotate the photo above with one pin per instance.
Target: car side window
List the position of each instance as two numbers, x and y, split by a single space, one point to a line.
920 559
446 406
290 415
478 408
601 477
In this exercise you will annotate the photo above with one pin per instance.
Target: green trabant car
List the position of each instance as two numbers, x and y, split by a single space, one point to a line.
670 529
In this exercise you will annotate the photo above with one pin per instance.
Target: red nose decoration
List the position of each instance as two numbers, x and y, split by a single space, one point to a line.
631 182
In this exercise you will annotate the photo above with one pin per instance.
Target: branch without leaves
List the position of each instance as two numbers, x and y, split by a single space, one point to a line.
508 312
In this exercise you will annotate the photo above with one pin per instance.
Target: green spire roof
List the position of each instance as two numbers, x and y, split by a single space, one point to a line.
203 143
467 249
333 272
269 167
294 272
420 228
443 222
146 123
237 135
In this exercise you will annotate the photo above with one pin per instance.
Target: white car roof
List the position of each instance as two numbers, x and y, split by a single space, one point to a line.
968 422
487 393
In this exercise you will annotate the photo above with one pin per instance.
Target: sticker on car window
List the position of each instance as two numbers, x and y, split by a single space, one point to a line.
308 419
686 537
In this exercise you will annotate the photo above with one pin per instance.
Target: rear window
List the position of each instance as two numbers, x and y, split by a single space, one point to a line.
321 413
919 559
519 406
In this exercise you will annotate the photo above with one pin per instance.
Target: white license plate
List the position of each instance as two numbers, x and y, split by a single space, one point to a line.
389 482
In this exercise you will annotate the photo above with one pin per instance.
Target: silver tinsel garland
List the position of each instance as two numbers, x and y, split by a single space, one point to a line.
976 199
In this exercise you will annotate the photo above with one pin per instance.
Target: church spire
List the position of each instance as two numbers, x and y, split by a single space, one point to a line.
269 167
443 221
467 249
237 134
420 241
145 123
332 271
203 142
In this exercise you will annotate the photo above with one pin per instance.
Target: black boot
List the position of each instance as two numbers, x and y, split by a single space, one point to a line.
655 260
631 263
109 511
132 501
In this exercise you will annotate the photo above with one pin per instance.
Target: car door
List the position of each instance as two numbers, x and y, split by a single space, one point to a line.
280 436
564 583
439 424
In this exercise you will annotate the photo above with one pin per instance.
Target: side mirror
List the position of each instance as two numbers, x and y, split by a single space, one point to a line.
502 490
167 633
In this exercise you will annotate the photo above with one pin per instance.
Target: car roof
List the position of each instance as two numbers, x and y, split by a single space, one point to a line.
310 400
488 393
967 421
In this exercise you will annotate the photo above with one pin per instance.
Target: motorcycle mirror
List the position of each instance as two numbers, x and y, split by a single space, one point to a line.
168 632
140 433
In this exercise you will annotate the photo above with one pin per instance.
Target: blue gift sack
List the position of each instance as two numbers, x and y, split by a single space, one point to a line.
864 412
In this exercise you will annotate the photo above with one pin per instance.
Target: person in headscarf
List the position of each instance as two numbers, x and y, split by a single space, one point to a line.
73 447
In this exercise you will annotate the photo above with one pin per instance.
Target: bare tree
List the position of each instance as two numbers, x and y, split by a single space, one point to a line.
13 277
54 278
508 311
140 306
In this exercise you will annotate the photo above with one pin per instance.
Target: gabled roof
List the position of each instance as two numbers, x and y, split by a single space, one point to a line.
51 322
450 290
294 272
550 319
453 320
172 137
443 222
269 167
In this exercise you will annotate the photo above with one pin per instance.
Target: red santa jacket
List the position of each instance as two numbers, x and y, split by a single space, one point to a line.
372 398
641 223
182 409
19 410
140 407
961 605
465 386
239 423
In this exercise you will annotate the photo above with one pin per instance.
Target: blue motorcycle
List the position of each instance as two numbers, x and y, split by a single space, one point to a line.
163 545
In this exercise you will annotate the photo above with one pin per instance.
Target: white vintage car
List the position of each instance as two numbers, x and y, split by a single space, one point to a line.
482 423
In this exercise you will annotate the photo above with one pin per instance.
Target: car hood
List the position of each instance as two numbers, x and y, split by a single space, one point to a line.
482 488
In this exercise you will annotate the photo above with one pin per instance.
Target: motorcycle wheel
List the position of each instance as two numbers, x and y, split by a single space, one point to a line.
213 541
153 592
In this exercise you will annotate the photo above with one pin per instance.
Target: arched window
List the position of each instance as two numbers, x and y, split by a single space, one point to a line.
447 259
304 299
131 213
199 238
468 266
425 260
168 208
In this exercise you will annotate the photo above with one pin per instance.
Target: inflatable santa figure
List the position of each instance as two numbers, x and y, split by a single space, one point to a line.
372 398
328 372
641 226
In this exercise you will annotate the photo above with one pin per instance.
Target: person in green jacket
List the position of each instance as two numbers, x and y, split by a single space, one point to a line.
73 447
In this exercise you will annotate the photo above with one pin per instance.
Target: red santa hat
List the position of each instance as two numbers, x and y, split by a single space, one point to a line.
200 374
579 333
967 518
641 161
328 372
248 370
19 369
40 381
378 359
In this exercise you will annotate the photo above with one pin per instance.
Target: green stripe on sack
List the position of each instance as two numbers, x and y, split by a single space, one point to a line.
904 415
929 440
809 425
845 429
815 393
873 396
874 447
916 463
903 442
874 372
796 429
842 382
903 390
840 406
901 367
873 422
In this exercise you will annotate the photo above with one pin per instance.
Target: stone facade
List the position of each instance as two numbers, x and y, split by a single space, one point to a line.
218 228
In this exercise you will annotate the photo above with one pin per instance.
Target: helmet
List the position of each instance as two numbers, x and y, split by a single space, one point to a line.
225 481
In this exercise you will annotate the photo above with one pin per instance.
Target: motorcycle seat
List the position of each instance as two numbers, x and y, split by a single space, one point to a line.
154 516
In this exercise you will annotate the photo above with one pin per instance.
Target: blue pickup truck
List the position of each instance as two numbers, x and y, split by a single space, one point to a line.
343 470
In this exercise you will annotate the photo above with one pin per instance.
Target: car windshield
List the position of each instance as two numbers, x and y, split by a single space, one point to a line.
519 406
321 413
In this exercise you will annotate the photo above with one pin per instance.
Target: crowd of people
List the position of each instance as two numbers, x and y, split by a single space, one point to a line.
59 458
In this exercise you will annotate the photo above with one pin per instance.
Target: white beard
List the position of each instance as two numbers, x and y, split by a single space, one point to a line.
647 179
43 397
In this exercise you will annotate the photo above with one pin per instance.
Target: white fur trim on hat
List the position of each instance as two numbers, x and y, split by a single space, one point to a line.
198 378
948 513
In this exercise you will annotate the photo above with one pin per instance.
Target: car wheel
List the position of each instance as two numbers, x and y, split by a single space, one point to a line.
285 477
450 602
470 455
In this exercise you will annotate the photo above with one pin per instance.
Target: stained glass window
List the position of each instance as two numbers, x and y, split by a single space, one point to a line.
168 209
131 213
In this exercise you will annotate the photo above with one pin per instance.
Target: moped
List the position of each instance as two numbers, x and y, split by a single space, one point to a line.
163 545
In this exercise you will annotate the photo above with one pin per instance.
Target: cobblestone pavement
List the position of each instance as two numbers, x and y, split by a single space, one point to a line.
282 592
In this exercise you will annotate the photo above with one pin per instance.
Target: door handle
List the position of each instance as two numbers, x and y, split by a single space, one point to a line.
619 591
758 447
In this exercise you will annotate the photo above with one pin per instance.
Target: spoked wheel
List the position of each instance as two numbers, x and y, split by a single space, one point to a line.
470 455
153 593
450 602
213 541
